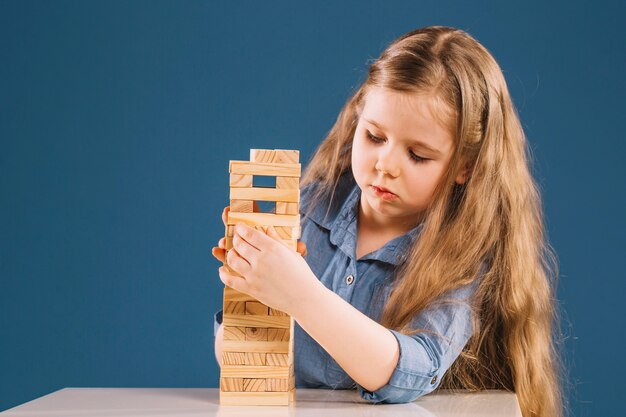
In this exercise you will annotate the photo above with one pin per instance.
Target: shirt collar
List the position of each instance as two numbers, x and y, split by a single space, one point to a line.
341 220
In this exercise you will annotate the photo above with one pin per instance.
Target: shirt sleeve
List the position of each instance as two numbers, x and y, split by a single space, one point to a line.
217 320
426 356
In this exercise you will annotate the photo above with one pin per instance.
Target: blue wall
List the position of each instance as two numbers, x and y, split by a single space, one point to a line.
117 121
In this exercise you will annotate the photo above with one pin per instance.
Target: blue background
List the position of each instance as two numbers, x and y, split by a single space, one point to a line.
117 121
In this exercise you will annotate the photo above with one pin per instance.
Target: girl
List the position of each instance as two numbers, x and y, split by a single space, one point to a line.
426 265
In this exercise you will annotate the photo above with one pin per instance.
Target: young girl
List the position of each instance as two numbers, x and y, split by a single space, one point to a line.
426 264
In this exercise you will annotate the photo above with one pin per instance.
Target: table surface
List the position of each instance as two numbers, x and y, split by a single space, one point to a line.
165 402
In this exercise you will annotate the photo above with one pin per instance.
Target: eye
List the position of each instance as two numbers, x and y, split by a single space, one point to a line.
414 157
417 158
373 138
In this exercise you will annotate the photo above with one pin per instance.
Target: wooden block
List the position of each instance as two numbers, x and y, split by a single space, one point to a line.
234 295
254 385
287 183
241 205
245 371
231 384
266 219
262 168
250 320
264 194
257 359
256 333
287 208
277 359
235 307
286 232
240 346
274 312
256 398
277 384
238 180
278 334
235 333
256 308
274 155
233 358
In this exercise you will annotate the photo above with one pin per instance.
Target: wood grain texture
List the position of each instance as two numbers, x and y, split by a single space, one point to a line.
233 358
264 194
241 205
285 156
235 333
239 346
249 320
231 384
266 219
266 169
239 180
248 371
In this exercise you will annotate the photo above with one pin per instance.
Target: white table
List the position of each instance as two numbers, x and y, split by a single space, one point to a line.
168 402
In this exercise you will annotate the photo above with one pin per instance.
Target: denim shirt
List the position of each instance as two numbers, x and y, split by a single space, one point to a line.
366 283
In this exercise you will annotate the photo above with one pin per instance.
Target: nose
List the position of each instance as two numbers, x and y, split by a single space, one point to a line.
386 162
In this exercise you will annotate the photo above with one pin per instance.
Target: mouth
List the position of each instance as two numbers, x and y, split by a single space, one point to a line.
384 193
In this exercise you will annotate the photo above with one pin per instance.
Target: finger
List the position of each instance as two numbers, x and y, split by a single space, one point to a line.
220 254
271 232
222 243
301 248
245 249
225 215
256 238
237 263
233 281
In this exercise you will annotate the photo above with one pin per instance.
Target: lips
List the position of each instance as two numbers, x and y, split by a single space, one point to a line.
382 189
384 193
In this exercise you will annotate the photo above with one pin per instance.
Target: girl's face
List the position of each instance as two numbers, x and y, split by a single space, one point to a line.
399 154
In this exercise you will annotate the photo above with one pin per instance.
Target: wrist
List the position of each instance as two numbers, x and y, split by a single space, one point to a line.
310 299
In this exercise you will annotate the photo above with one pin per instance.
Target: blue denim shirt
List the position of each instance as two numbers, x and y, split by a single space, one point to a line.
366 283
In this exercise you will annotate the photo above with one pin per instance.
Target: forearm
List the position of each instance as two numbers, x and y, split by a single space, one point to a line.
367 351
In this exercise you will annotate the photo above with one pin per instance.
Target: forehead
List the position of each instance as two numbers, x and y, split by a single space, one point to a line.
410 116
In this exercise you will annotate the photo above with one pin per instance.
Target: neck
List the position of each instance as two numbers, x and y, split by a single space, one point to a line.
369 220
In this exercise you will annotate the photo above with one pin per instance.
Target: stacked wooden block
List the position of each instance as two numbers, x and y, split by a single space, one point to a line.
257 350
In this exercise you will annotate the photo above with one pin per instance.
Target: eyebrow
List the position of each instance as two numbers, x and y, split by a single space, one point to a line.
416 142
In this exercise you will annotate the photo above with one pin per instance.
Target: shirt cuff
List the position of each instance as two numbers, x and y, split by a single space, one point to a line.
407 383
217 320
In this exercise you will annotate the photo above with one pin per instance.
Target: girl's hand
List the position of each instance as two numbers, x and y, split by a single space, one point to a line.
268 269
219 251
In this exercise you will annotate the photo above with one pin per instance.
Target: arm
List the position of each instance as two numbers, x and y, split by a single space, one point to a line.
367 351
390 366
387 365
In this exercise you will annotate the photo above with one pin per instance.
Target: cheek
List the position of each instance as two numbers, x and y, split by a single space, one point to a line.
360 157
424 180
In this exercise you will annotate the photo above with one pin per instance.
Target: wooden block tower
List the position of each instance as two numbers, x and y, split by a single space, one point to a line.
257 350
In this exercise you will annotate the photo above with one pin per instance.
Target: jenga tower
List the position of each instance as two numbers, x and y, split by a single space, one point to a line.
257 350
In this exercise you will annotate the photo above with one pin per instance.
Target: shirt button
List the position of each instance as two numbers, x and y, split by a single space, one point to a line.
349 279
434 380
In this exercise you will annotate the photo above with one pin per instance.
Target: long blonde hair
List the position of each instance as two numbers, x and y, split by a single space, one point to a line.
490 227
